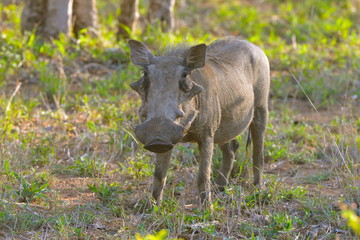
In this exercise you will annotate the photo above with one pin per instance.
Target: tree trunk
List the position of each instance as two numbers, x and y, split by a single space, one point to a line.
164 11
58 20
33 15
51 17
8 2
85 16
128 17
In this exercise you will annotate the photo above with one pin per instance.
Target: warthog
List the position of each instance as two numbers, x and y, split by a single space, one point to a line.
203 94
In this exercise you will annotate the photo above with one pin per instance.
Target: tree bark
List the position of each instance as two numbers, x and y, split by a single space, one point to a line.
164 11
8 2
128 18
33 15
85 15
58 20
51 17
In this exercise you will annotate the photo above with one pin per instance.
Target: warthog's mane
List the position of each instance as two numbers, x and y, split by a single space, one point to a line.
179 50
214 50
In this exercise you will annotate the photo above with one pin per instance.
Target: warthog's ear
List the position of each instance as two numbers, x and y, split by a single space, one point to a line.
140 53
195 57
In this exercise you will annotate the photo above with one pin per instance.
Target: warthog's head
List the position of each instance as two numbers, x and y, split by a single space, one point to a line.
166 90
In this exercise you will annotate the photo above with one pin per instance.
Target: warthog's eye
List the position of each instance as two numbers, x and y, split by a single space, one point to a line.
184 75
145 82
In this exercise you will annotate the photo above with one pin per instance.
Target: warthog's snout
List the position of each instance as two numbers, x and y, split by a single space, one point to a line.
159 134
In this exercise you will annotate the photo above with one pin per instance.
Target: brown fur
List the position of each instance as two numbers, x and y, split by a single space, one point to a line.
228 92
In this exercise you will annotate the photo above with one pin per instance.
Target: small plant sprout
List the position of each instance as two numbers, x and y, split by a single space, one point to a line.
106 193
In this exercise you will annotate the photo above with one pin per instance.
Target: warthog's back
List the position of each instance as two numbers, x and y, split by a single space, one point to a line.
236 77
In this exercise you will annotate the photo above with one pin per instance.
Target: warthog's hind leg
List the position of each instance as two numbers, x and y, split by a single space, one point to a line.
228 151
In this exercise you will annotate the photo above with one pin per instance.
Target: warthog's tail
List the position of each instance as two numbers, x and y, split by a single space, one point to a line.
245 170
248 143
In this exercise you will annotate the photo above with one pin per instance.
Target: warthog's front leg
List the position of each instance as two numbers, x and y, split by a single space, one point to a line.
204 186
161 167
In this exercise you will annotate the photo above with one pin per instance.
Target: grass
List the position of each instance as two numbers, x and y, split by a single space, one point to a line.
71 169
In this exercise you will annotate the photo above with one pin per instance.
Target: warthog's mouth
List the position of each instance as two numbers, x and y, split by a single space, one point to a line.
158 146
